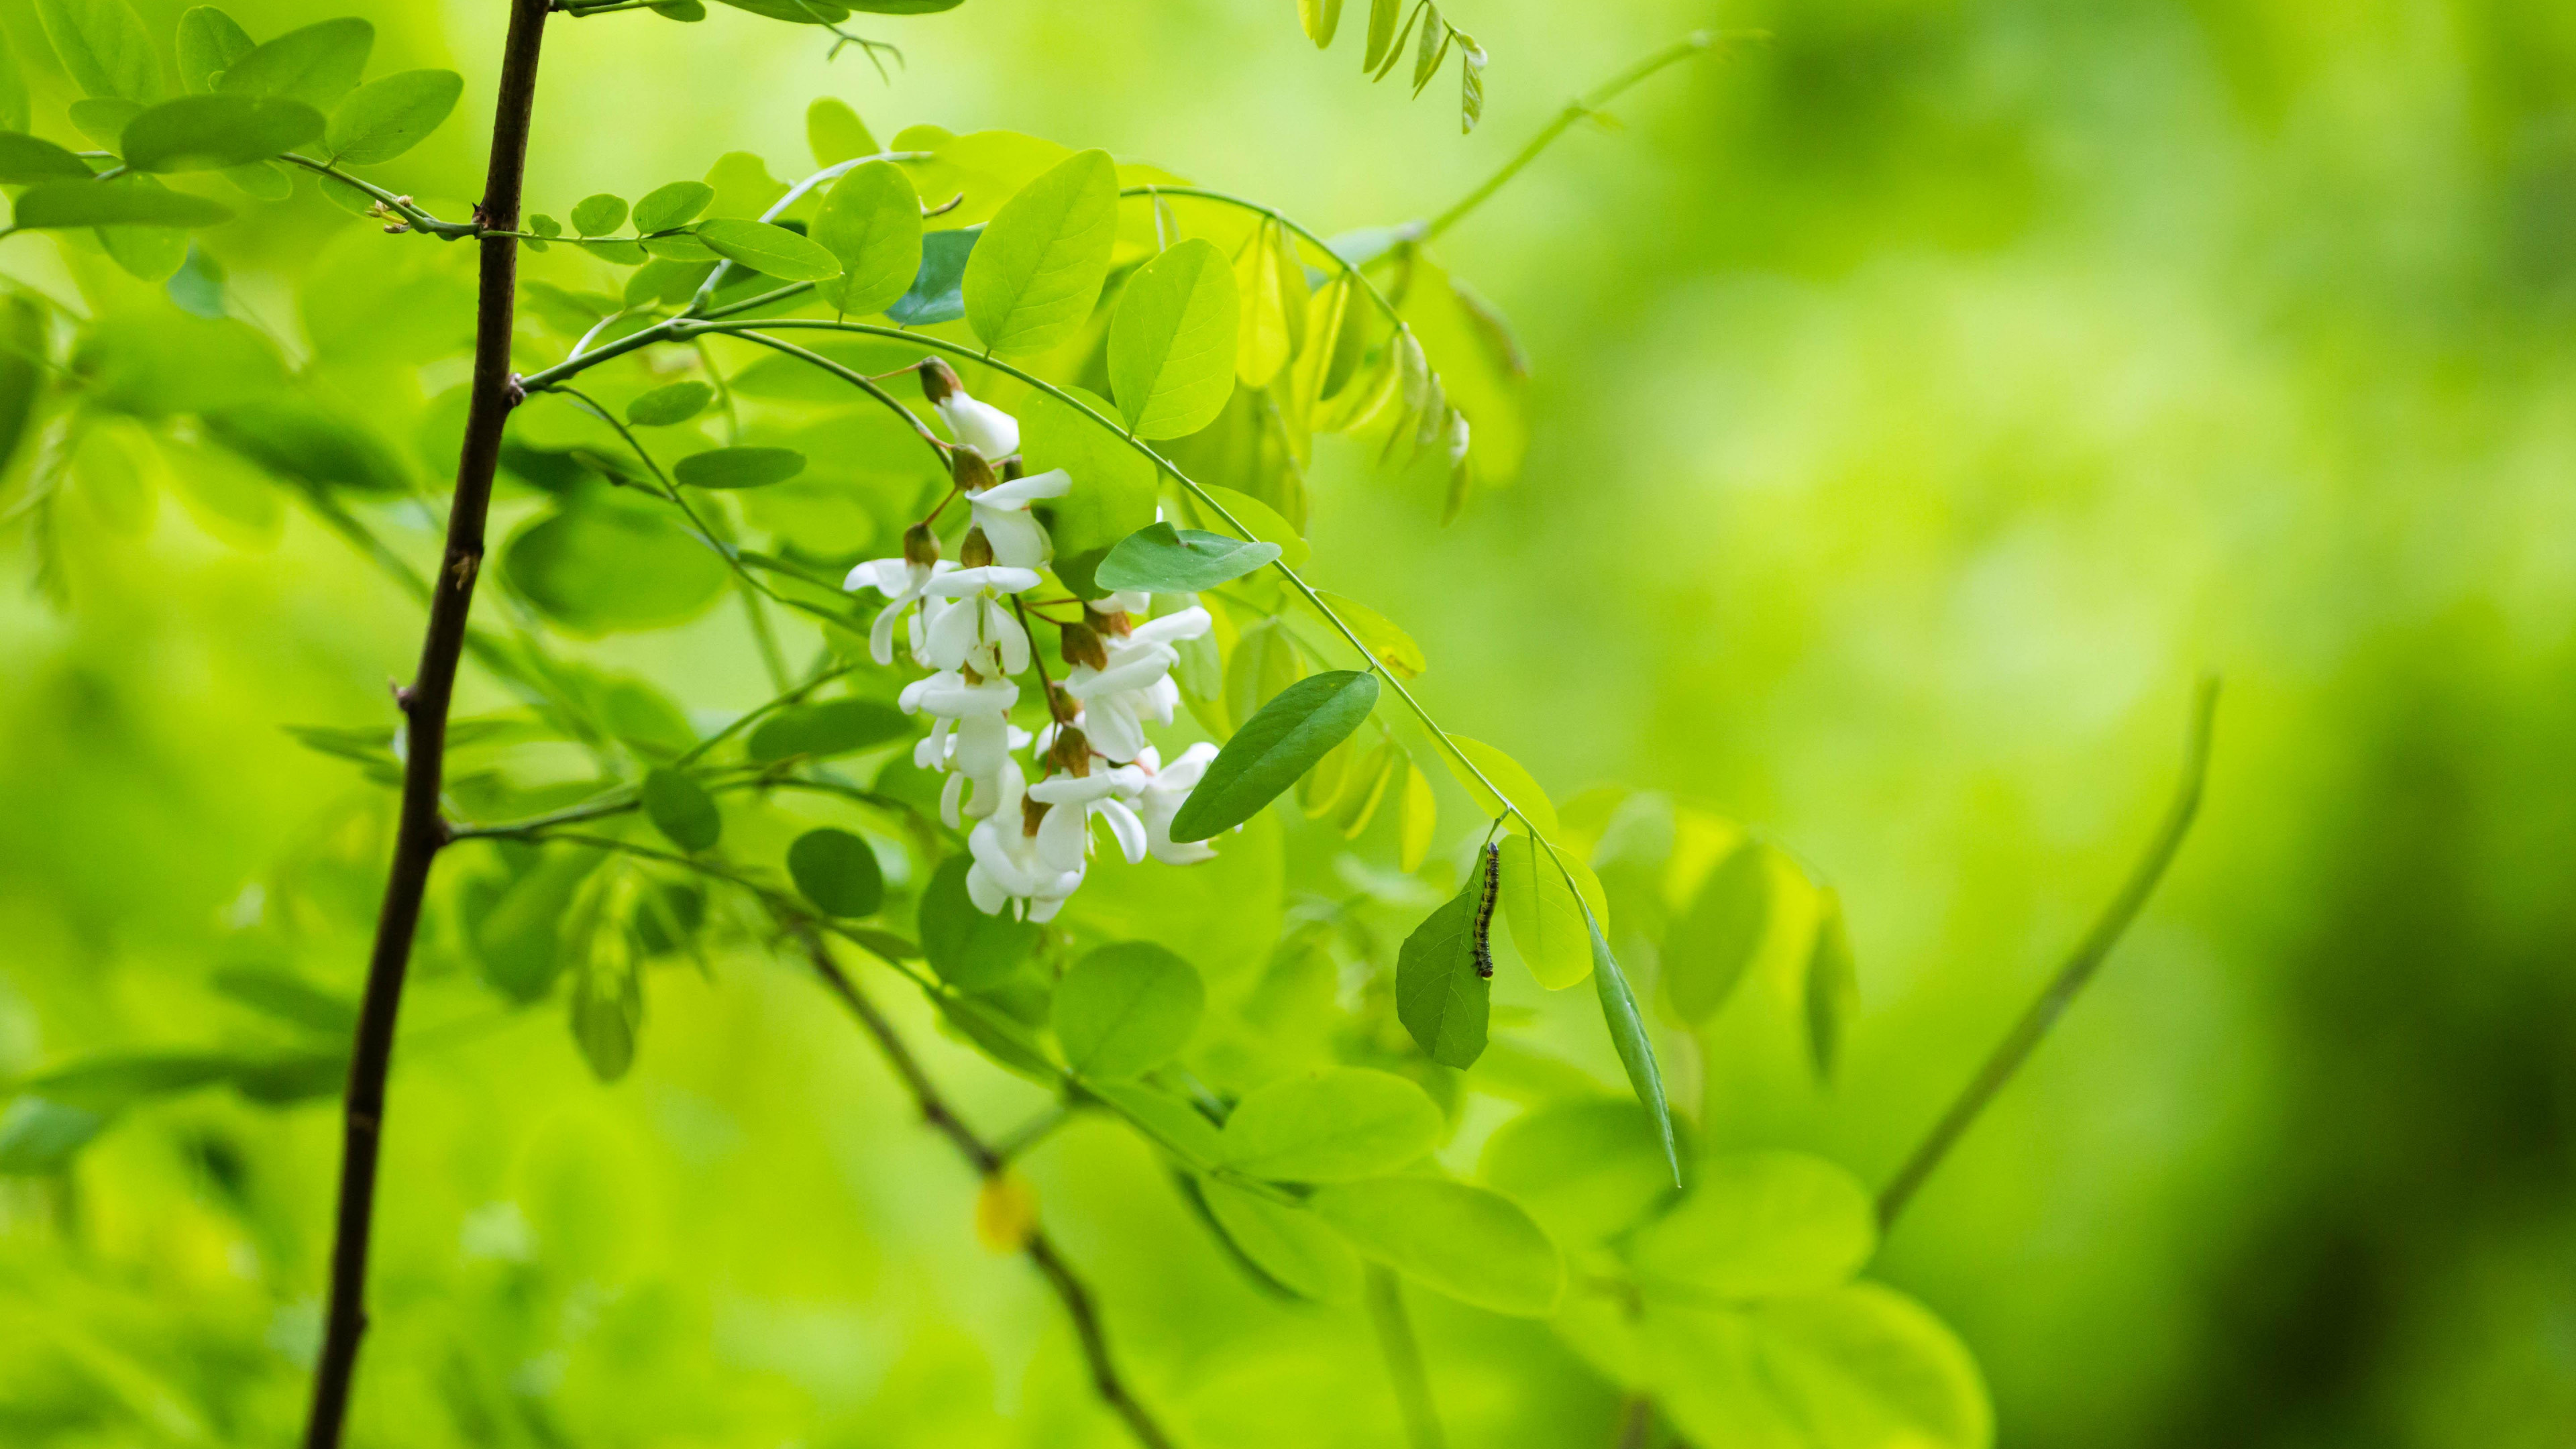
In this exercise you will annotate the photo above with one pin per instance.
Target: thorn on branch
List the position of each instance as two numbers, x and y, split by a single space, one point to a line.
401 693
515 390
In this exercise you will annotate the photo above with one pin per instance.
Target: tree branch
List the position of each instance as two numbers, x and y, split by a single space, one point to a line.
987 1161
420 832
2079 968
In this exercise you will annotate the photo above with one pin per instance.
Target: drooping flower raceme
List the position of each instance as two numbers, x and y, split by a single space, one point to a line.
1030 842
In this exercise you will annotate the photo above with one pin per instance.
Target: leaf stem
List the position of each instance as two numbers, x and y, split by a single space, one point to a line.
1403 1353
421 221
2072 976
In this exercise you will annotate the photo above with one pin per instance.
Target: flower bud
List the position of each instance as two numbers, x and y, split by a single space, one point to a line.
1013 467
1071 752
920 546
1082 645
1031 812
968 467
1062 705
938 380
1114 623
976 552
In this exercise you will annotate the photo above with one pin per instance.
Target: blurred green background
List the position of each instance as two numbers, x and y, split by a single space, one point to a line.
1920 400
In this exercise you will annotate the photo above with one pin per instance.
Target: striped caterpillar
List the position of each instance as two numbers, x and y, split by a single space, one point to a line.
1483 937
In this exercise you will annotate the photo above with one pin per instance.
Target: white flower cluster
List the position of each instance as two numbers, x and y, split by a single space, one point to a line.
1031 840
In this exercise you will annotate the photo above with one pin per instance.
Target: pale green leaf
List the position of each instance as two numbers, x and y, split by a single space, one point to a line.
1171 345
209 42
1758 1225
388 116
1291 1245
871 223
1126 1009
317 64
1032 279
207 133
1709 947
1858 1367
969 949
1335 1125
835 133
1832 985
772 250
674 204
1546 916
1628 1037
1507 776
1477 1246
669 404
105 47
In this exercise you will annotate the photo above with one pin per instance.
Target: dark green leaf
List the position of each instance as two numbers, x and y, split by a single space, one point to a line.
599 215
796 12
1833 984
871 222
1294 730
207 133
130 201
209 42
665 207
317 64
739 467
288 998
685 11
299 439
388 116
25 159
22 370
104 46
1707 950
1636 1051
605 567
1033 278
837 872
110 1083
820 731
969 949
607 1013
1126 1009
1161 559
675 402
513 923
938 291
682 809
771 250
1440 996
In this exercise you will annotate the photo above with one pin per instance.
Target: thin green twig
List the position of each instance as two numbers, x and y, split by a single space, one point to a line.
1403 1353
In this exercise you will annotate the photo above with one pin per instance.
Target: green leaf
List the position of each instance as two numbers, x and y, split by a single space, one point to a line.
665 207
795 12
131 201
1257 518
1440 996
835 133
262 180
1760 1225
1291 1245
743 186
1435 45
1178 1127
739 467
197 288
300 439
1636 1050
771 250
1833 984
607 1013
1171 346
686 11
1471 87
1273 748
822 730
1508 777
871 222
669 404
111 1083
1546 916
1113 484
209 42
23 354
1707 951
1126 1009
1033 278
599 215
104 46
1161 559
1336 1125
1263 336
1320 18
25 159
40 1135
1858 1367
938 290
513 924
837 872
969 950
207 133
682 809
1586 1168
288 998
607 567
1264 662
16 108
388 116
316 65
1477 1246
1383 15
1386 643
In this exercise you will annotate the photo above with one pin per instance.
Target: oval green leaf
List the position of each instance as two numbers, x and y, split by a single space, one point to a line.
969 950
837 872
739 467
104 46
1032 279
1628 1037
1171 346
209 42
682 809
317 64
1161 559
1126 1009
388 116
1477 1246
27 159
1761 1224
1708 950
1290 1245
671 403
1833 984
1336 1125
604 568
665 207
208 133
1440 996
937 293
113 203
1294 730
835 133
598 215
1546 917
770 250
1860 1367
1586 1168
871 222
1507 776
820 731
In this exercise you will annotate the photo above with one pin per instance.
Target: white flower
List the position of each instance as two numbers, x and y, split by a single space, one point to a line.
1064 837
979 425
1002 511
965 623
902 582
1008 869
973 739
1166 787
1136 685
